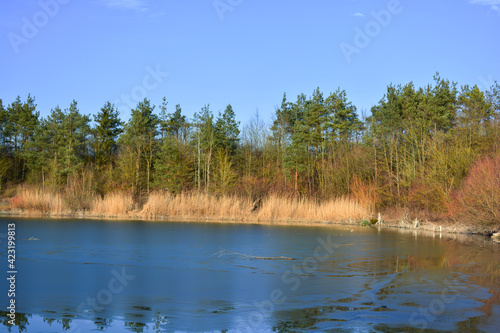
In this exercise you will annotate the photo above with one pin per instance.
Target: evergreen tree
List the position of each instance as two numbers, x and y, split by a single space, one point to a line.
22 119
474 112
203 142
75 130
140 134
343 123
314 120
163 118
443 100
281 131
3 126
14 110
50 137
227 131
172 166
4 158
282 125
176 125
108 128
39 154
296 153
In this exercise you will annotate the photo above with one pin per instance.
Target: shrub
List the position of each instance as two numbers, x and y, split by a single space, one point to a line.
17 202
365 193
479 199
423 196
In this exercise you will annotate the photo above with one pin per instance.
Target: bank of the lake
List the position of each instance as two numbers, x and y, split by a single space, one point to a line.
423 226
160 206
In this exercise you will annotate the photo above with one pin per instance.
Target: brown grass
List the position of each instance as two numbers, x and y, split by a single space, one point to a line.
341 209
38 201
113 204
162 205
195 205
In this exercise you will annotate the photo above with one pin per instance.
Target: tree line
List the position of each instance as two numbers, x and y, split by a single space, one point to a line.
413 150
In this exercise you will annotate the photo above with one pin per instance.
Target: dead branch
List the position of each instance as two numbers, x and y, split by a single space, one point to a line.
224 252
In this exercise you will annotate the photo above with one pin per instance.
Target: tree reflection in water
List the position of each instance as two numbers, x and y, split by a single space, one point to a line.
21 321
102 324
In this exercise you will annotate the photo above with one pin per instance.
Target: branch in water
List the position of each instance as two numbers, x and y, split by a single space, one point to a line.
224 252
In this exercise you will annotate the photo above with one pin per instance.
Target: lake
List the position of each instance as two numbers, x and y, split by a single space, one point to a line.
118 276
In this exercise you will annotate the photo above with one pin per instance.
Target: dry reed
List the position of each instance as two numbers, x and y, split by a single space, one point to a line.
341 209
161 205
38 201
195 205
113 204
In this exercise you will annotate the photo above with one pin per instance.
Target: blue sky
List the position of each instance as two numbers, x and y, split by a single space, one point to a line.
243 52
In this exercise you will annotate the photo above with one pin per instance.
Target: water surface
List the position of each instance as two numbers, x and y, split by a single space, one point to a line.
115 276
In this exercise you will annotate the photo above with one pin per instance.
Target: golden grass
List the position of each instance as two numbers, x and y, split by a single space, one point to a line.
274 208
113 204
161 205
341 209
195 205
38 201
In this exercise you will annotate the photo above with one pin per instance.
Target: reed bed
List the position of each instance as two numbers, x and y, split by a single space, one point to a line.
113 204
195 205
340 209
162 205
38 201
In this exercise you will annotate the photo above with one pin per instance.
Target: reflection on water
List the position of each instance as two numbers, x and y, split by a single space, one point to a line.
84 276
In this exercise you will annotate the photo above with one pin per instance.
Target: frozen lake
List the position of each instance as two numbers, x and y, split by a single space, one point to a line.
115 276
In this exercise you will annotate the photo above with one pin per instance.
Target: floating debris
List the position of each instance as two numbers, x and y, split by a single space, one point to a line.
224 252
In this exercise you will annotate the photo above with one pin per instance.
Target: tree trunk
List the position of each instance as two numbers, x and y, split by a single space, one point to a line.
296 181
137 168
376 169
209 161
149 167
199 164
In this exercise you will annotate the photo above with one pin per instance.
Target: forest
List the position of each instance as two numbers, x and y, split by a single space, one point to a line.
431 151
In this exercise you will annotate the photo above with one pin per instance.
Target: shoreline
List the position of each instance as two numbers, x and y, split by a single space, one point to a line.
421 226
208 208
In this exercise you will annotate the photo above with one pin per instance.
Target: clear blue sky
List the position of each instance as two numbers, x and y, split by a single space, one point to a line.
243 52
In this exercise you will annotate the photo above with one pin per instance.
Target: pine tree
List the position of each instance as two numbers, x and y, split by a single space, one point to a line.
443 100
3 124
39 155
21 121
296 154
163 118
140 134
227 131
4 158
203 142
51 138
176 125
313 120
75 130
282 125
172 166
108 128
343 123
474 112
